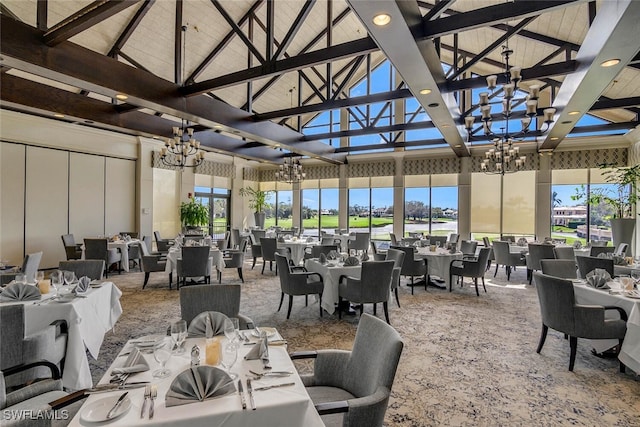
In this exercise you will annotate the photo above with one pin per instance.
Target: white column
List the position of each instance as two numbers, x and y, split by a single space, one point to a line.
464 198
543 199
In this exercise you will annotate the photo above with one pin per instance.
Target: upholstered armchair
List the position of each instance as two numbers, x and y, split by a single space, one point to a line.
72 249
563 268
411 266
586 264
234 258
470 267
92 268
195 262
565 252
398 258
29 268
152 263
537 252
297 283
269 247
99 249
377 254
504 257
373 286
224 299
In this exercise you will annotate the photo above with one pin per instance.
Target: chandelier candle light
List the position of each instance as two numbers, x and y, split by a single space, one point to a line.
180 149
290 171
504 157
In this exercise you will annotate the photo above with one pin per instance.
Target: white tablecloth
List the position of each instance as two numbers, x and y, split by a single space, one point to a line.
215 255
287 406
297 248
438 261
124 250
88 320
330 276
630 352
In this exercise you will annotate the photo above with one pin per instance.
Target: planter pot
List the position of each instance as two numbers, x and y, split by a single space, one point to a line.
259 218
622 231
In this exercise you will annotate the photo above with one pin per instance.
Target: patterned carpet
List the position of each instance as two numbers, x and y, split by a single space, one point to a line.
467 361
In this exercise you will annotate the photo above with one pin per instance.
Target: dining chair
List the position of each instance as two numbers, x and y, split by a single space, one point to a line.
132 234
316 250
327 240
537 252
559 311
504 257
376 253
269 246
361 242
92 268
564 252
162 244
224 299
599 243
29 268
373 286
256 248
352 388
398 258
586 264
470 267
297 283
152 263
234 258
394 239
468 248
194 262
563 268
412 266
72 249
99 249
487 244
597 250
438 239
235 238
509 239
453 238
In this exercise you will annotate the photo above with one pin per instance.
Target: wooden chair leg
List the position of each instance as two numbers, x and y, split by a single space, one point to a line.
146 279
290 304
483 286
385 306
397 299
573 343
543 337
281 299
320 305
411 285
496 272
475 282
306 300
375 308
340 308
240 274
263 264
254 262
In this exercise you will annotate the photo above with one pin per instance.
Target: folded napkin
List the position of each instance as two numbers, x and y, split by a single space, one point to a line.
598 278
577 244
20 292
619 260
322 259
260 350
522 242
197 384
309 239
198 326
351 261
83 285
332 255
134 363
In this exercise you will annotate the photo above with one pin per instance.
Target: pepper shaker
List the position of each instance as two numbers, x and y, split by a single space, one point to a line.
195 356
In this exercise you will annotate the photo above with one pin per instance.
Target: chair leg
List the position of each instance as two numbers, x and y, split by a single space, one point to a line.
271 266
385 306
375 308
219 274
496 272
488 265
483 286
320 304
475 282
290 304
306 300
281 299
508 268
573 343
411 285
254 262
450 280
543 337
146 279
263 264
397 299
240 274
529 275
340 308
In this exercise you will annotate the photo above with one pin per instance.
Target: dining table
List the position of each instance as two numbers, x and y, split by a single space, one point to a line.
331 272
123 247
88 317
630 351
275 407
216 257
297 248
438 261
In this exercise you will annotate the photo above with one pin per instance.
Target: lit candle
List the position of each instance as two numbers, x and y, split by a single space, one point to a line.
548 114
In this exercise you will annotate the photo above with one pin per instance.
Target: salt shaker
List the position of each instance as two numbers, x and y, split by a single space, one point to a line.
195 356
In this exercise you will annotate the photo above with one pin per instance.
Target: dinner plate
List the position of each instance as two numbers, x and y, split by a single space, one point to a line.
269 331
64 299
97 411
632 294
95 284
147 341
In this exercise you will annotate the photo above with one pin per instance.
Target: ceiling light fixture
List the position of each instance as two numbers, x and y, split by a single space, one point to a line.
58 115
291 170
505 157
381 19
574 113
122 97
425 91
610 62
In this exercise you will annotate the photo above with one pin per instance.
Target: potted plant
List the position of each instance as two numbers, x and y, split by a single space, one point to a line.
257 202
193 215
621 199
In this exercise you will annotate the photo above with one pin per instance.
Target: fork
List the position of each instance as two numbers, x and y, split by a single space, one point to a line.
154 394
147 395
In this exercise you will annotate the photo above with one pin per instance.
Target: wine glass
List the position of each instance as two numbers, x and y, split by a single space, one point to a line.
69 277
179 334
635 275
162 354
229 357
39 277
230 327
56 280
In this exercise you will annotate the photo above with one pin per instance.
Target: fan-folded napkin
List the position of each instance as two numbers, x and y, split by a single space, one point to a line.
350 261
598 278
134 363
197 384
322 259
83 285
198 326
20 292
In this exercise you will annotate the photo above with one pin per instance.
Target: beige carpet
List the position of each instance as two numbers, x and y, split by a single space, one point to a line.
468 360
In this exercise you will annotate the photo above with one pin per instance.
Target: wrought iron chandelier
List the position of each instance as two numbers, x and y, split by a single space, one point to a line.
290 171
504 157
182 145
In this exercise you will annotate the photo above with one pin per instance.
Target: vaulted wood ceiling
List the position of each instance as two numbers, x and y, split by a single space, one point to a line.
249 74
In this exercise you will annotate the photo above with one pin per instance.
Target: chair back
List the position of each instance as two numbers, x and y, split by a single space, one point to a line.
12 321
269 246
480 264
375 281
258 234
198 326
156 234
322 249
599 243
408 260
394 240
195 261
565 252
361 242
235 238
501 252
30 266
453 238
374 248
563 268
147 245
68 240
538 251
468 247
509 239
132 234
92 268
196 299
434 239
597 250
586 264
370 371
285 274
396 256
327 240
95 249
622 249
557 301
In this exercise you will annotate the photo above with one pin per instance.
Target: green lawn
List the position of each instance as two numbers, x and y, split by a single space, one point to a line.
329 221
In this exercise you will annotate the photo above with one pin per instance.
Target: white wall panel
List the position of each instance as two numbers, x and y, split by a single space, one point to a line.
120 196
46 213
86 195
12 202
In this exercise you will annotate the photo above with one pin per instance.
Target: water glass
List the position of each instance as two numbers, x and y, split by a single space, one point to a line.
179 335
39 276
229 357
21 278
69 277
230 328
56 280
162 354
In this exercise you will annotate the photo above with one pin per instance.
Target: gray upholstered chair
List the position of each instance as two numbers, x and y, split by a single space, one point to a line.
235 238
468 248
559 311
72 249
49 343
373 286
508 239
152 262
565 252
563 268
132 234
394 239
92 268
297 283
99 249
537 251
487 244
597 250
269 247
413 267
361 242
377 254
256 249
470 267
322 249
587 264
29 268
504 257
438 239
453 238
398 258
193 263
234 258
224 299
352 388
198 325
599 243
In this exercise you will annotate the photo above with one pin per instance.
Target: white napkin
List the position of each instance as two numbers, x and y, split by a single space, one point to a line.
598 278
134 363
197 384
322 258
83 285
260 350
350 261
20 292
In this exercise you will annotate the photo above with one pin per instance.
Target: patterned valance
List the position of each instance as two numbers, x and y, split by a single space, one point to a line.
386 168
208 167
431 166
321 171
584 159
251 174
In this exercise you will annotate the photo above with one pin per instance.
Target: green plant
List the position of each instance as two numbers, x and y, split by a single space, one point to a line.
622 197
193 213
257 198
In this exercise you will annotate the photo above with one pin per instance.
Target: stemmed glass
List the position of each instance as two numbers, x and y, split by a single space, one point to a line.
179 335
635 275
39 277
56 281
230 327
162 354
69 277
229 357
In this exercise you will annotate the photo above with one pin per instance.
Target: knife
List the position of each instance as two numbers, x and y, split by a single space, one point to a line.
112 387
250 391
273 386
112 411
240 392
272 374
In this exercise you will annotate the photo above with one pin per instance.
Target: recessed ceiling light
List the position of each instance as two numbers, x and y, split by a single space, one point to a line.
574 113
425 91
433 105
458 145
58 115
555 138
382 19
122 97
217 127
566 122
610 62
445 126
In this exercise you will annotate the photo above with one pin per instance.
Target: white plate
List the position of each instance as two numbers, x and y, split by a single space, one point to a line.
63 299
634 294
269 331
97 411
147 341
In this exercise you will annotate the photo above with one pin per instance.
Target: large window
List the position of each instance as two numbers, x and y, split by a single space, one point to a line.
310 211
371 206
217 200
431 204
319 205
329 205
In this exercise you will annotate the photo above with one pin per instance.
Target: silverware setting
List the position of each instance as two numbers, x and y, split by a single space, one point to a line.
250 391
269 387
112 411
241 393
258 375
103 388
147 396
154 394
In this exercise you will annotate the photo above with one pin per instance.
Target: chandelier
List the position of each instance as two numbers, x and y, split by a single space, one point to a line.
290 171
504 157
182 145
